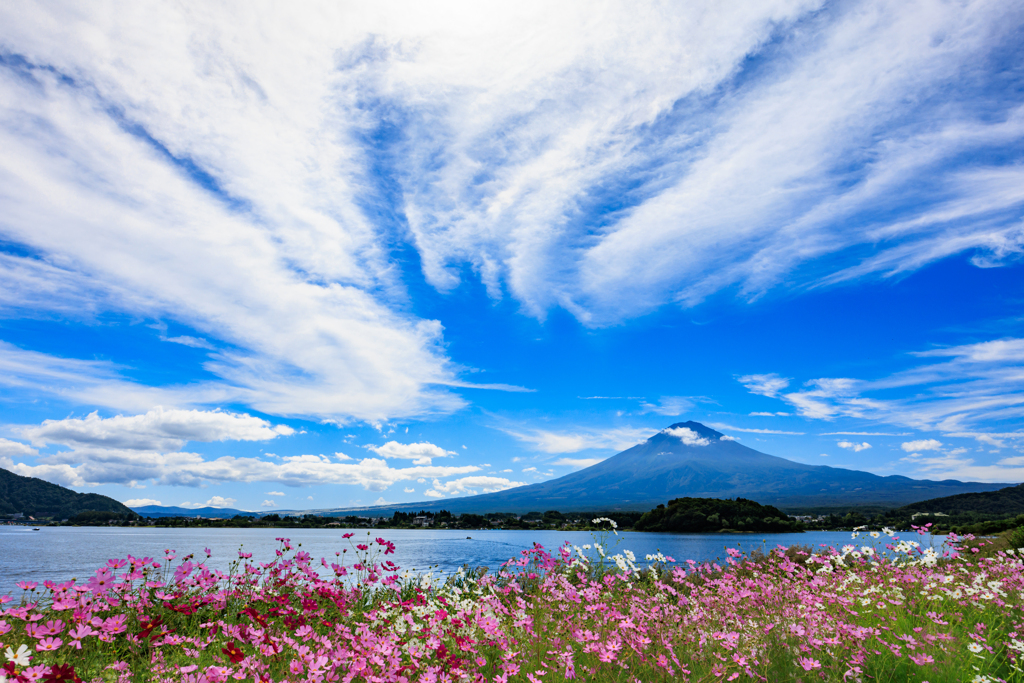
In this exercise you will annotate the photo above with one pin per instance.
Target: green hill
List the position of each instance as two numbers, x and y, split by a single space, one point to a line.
1005 502
978 513
37 498
697 515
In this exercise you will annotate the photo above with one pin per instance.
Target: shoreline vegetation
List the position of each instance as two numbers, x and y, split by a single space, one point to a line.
682 515
593 613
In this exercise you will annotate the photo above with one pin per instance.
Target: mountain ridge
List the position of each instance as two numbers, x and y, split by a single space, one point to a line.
692 459
38 498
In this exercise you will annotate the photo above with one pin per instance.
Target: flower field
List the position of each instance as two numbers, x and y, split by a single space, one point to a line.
843 614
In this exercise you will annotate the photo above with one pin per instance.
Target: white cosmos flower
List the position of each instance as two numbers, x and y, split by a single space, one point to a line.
21 657
875 534
975 648
867 550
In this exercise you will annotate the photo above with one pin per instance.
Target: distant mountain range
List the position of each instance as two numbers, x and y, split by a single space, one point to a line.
690 459
37 498
687 459
171 511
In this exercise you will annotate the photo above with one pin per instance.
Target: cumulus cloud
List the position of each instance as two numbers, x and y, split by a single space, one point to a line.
408 489
921 445
158 429
214 502
471 486
141 502
91 466
855 447
268 504
687 436
275 493
10 448
420 453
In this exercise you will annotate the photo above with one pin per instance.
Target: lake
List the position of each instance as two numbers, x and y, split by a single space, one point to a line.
60 553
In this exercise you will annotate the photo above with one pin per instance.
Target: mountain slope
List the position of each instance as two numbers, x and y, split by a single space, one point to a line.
38 498
1007 502
689 459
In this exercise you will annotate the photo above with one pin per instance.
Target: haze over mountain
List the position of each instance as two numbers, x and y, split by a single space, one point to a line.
690 459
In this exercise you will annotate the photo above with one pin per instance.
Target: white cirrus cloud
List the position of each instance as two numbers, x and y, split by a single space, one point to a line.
855 447
141 502
668 405
577 463
722 425
420 453
765 385
951 390
158 429
230 176
687 436
921 445
574 440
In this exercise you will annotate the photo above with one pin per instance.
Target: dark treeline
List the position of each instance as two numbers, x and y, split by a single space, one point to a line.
978 513
704 515
442 519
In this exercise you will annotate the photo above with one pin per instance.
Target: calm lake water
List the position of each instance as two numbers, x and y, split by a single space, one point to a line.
60 553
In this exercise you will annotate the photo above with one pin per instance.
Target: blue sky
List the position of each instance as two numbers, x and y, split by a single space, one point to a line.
348 254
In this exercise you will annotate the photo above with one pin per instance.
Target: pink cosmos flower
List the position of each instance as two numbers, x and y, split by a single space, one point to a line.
809 664
101 582
115 624
79 632
48 644
27 585
922 659
35 673
53 628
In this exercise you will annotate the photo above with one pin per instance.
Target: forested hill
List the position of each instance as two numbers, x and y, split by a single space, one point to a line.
1008 501
38 498
697 515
